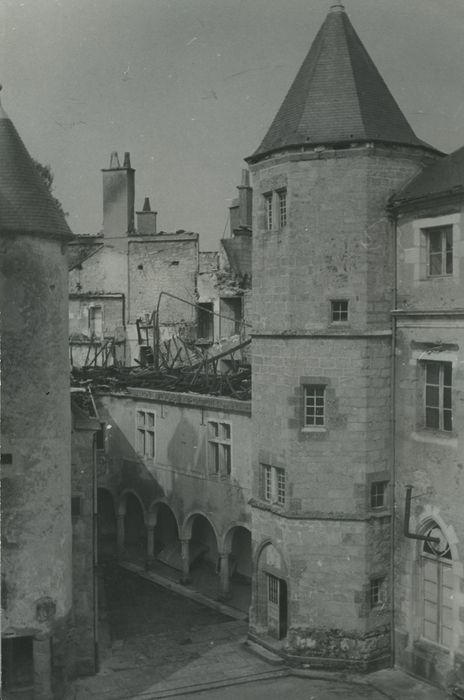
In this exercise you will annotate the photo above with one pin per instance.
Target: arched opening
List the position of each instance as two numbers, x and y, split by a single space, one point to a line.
166 545
203 545
271 602
135 533
240 554
240 567
436 588
106 526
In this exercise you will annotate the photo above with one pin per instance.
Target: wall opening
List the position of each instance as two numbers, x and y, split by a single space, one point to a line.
135 533
17 664
106 526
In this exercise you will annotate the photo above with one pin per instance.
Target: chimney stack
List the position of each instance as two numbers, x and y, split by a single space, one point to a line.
241 208
146 220
118 197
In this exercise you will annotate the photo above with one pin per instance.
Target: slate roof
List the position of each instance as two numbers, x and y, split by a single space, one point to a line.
338 96
26 205
443 177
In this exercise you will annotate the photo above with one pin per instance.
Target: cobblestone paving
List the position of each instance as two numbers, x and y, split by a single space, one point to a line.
154 640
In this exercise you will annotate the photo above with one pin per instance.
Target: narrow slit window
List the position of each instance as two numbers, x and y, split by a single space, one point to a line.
268 211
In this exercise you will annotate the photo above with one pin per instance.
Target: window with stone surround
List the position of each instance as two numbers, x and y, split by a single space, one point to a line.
314 406
439 241
376 592
268 218
378 494
219 447
437 588
339 310
146 433
273 484
438 395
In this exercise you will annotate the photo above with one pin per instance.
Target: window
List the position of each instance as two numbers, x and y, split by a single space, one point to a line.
314 406
379 494
280 476
438 385
205 321
439 251
220 448
339 310
437 588
268 211
95 321
376 592
146 433
282 198
267 482
273 482
273 589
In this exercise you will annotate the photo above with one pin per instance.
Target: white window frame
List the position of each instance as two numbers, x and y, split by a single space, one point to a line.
274 484
318 422
283 210
442 389
219 447
418 254
443 568
268 199
444 232
145 432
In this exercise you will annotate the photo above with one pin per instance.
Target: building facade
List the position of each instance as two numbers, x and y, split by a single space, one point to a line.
324 448
36 427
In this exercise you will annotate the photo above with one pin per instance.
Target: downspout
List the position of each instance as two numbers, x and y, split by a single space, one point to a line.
393 439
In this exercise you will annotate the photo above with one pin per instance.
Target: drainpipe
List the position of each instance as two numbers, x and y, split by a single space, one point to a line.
394 221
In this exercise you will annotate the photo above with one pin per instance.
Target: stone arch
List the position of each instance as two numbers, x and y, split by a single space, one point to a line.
186 529
271 590
122 502
154 508
431 517
165 523
236 542
204 540
133 514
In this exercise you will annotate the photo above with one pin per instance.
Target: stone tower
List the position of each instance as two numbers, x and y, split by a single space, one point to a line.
36 424
323 276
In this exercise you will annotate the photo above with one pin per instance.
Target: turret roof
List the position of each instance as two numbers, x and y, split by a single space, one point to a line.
26 205
338 96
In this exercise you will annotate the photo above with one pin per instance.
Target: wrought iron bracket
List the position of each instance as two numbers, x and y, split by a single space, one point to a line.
407 517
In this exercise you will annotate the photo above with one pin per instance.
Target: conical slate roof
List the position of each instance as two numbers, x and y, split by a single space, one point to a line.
26 205
338 96
443 177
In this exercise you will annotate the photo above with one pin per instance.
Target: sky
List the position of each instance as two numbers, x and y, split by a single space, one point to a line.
190 87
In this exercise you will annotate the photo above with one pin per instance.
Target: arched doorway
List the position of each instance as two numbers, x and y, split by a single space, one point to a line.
135 532
271 595
106 526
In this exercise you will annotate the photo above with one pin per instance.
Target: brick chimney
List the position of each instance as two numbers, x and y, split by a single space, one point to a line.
118 197
146 220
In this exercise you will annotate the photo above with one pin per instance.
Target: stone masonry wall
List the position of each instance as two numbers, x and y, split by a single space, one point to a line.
431 461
